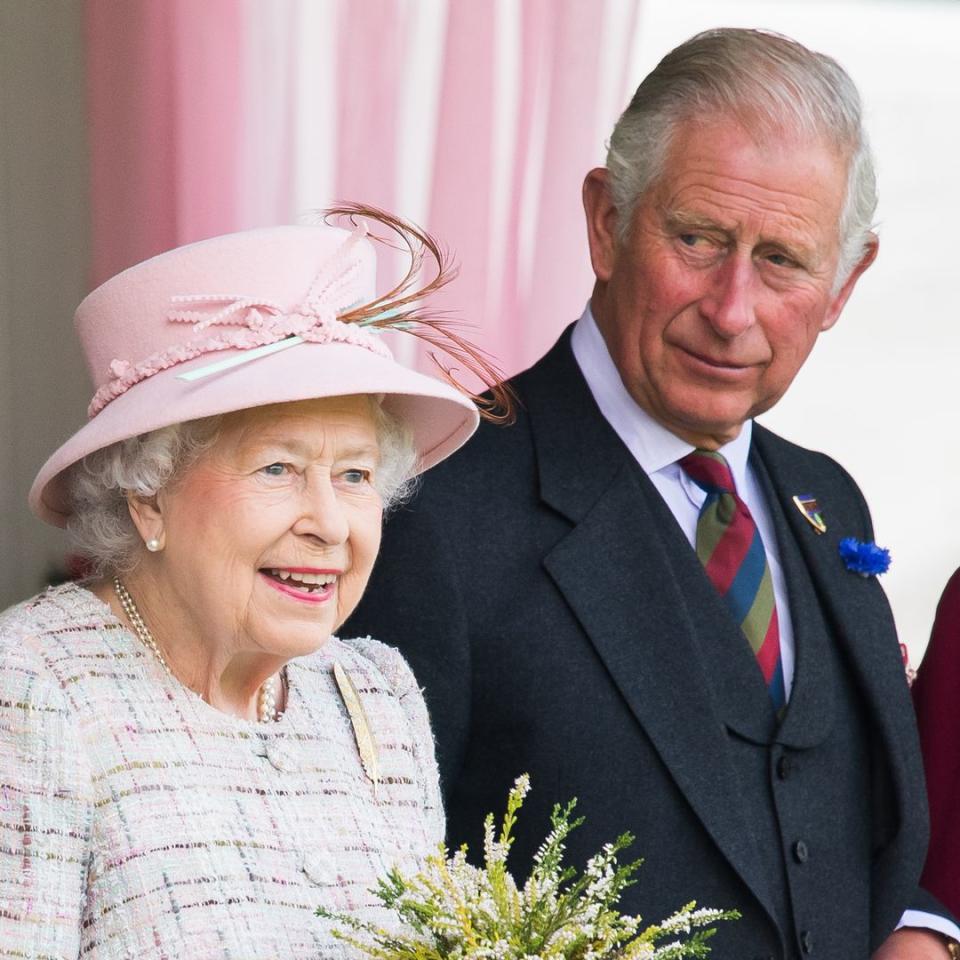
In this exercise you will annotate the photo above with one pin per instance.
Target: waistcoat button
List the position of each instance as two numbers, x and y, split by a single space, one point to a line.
806 941
784 767
800 852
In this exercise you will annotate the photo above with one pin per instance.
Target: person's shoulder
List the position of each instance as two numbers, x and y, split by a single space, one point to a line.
796 457
816 474
44 646
65 609
53 631
492 449
497 447
372 656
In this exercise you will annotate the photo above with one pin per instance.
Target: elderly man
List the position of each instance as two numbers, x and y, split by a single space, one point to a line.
636 593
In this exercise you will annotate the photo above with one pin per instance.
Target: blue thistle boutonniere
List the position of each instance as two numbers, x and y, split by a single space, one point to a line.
867 559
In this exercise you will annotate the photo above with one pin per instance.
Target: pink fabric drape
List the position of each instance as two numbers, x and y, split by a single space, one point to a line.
192 113
370 54
461 201
560 79
561 278
162 81
370 47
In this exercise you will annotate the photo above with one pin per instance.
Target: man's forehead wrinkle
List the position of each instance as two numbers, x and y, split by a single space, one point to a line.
730 211
745 193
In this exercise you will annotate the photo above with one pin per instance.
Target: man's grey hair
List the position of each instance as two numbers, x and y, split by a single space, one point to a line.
100 526
771 84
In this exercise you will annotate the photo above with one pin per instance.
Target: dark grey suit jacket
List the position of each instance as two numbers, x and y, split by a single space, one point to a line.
561 625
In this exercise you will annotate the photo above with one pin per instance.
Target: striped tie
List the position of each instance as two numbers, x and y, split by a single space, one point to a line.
731 551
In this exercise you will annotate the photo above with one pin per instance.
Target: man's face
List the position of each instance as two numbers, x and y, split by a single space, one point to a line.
714 299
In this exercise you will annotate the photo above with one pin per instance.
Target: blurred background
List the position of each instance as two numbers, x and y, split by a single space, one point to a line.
131 126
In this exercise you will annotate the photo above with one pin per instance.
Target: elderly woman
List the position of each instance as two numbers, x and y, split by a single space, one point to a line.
191 761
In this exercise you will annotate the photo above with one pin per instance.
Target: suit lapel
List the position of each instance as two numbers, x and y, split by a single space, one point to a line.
812 708
625 571
856 607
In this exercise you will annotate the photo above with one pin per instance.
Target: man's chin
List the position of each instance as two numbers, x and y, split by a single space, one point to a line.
703 422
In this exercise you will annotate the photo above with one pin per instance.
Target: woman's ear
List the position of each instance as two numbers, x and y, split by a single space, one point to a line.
148 519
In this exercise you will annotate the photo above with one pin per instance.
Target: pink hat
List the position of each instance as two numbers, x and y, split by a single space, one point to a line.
243 320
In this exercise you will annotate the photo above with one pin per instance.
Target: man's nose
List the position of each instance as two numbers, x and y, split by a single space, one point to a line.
730 301
322 515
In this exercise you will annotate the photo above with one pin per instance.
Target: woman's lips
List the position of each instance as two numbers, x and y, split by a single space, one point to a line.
305 584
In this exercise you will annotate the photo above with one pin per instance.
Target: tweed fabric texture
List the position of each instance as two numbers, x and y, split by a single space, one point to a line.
138 821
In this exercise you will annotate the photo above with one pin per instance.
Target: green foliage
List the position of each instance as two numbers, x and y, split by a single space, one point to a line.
452 910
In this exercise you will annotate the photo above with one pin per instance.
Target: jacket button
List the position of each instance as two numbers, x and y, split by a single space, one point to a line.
806 941
800 852
319 868
282 757
784 767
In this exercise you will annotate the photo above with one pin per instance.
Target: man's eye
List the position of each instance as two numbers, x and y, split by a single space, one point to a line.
780 260
690 239
274 469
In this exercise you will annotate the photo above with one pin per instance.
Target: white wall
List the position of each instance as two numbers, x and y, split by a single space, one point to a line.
43 244
879 390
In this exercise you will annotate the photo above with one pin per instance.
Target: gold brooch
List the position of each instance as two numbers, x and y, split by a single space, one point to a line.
366 745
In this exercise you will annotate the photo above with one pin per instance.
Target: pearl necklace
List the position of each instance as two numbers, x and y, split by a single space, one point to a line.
267 711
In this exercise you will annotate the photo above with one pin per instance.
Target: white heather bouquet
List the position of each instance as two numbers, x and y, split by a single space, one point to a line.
452 910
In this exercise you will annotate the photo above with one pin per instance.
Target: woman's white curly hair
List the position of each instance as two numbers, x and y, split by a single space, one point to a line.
101 529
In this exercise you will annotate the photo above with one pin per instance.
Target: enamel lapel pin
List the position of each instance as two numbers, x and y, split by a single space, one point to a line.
810 509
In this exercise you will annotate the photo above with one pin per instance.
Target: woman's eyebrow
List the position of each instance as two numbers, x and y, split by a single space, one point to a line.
305 450
359 450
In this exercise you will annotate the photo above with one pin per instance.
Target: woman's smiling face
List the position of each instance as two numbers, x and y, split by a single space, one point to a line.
270 537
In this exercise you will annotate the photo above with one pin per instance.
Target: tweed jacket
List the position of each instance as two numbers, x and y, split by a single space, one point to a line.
136 821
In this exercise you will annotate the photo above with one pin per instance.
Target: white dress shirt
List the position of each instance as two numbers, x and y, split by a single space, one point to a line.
657 451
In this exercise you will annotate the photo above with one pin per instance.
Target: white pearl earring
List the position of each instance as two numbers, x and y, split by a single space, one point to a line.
153 545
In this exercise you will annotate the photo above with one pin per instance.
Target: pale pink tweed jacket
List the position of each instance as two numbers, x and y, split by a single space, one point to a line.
136 821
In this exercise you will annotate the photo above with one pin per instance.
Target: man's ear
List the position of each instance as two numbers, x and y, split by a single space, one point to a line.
147 517
602 222
840 299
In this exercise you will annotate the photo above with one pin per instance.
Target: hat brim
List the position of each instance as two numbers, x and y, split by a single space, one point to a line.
440 418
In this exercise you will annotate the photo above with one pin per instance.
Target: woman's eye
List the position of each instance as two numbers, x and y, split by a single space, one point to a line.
356 476
274 469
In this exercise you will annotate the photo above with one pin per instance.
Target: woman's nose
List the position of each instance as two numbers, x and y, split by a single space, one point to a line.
322 515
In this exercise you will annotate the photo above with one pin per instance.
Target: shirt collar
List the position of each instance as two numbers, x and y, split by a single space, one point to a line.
653 446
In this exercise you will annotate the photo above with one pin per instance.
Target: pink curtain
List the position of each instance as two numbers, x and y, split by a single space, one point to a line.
370 46
192 119
162 81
